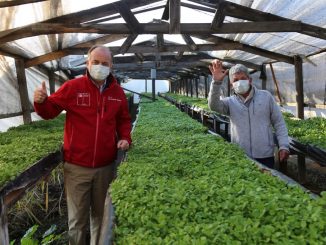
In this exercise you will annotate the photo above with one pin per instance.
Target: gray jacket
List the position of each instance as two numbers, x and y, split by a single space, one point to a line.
252 123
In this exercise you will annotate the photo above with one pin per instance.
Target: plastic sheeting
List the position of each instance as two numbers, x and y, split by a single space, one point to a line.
314 80
311 12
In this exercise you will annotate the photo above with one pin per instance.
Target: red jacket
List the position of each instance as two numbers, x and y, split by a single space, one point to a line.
94 120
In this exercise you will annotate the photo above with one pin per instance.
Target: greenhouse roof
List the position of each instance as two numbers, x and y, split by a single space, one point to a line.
175 37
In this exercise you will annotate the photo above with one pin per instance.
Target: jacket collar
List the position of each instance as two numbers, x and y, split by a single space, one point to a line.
109 81
249 97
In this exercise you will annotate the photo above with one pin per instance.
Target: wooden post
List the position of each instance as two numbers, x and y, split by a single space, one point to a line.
275 82
153 89
206 87
299 86
217 127
145 85
226 131
263 77
153 77
23 92
196 86
180 86
229 86
186 86
51 81
191 86
175 15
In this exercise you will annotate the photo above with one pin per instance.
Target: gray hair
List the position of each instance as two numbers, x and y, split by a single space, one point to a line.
238 68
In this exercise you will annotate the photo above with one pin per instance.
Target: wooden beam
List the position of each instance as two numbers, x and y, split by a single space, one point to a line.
174 12
178 56
60 41
263 77
187 38
317 52
140 57
4 4
243 12
132 49
206 86
166 12
53 56
299 86
100 41
246 48
266 53
220 44
51 81
179 48
169 64
23 92
97 12
245 63
8 115
160 42
54 39
128 16
276 84
314 31
158 59
127 43
9 54
15 189
246 13
114 17
210 4
165 57
78 49
148 28
198 7
219 16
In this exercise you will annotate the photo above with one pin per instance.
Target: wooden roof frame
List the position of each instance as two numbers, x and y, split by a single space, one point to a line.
89 21
85 22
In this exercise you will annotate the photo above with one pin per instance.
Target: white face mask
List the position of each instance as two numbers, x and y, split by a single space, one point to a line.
99 72
241 86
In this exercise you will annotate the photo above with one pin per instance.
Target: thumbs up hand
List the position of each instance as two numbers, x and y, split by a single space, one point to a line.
40 94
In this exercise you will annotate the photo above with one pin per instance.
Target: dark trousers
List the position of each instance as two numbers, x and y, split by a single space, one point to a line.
268 161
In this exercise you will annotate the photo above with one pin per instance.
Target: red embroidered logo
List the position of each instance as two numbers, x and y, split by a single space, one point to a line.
113 99
83 99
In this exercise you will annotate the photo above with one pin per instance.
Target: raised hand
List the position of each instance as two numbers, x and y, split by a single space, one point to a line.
218 72
40 94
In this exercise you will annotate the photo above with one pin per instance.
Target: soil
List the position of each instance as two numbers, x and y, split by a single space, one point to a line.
31 211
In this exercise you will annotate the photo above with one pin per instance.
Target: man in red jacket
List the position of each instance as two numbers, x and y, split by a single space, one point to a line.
97 124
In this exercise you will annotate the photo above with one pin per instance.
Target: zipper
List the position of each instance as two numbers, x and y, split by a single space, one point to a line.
103 108
250 132
97 127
